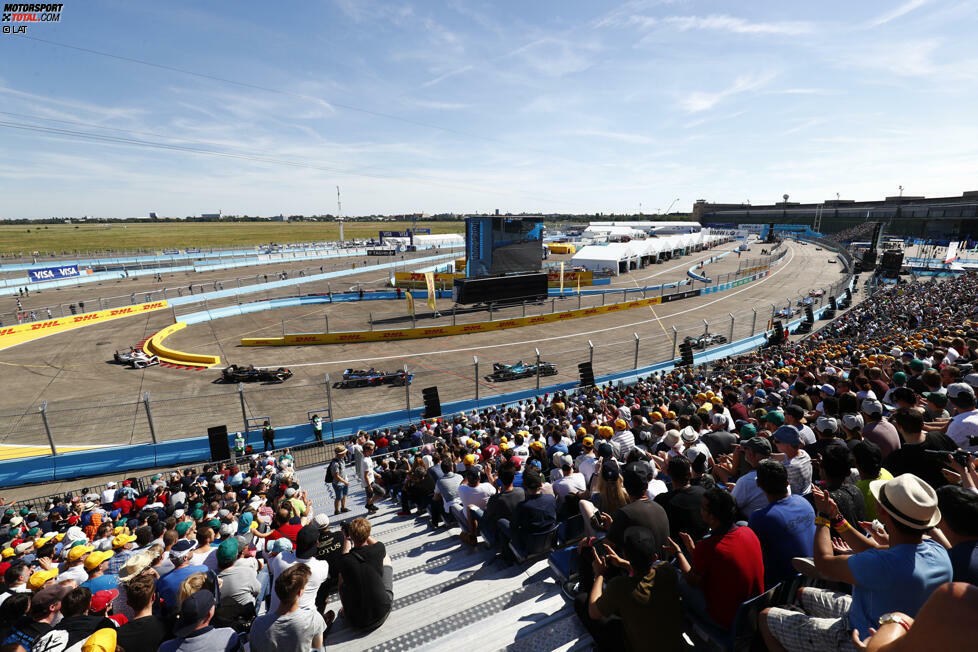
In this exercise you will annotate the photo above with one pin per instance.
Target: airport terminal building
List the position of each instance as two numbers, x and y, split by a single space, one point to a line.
919 217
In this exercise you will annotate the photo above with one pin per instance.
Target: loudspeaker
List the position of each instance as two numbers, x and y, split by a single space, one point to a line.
586 371
877 241
848 295
686 353
432 404
809 314
777 337
892 261
217 437
833 304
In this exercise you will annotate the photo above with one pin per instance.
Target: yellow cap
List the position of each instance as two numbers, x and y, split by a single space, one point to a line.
40 578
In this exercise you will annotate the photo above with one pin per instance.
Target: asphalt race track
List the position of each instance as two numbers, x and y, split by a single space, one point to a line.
92 401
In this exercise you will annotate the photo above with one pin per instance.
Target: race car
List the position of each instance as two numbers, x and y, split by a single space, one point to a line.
242 374
371 377
135 358
502 371
816 293
786 312
705 340
807 301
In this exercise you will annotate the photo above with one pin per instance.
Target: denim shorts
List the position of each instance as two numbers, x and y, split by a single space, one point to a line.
340 490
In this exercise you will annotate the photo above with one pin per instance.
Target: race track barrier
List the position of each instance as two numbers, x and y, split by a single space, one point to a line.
154 346
14 335
445 331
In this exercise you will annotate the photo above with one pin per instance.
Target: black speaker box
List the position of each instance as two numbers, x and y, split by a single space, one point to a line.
432 404
217 437
586 372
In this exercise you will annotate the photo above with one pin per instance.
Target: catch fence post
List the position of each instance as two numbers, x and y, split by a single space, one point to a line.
329 404
706 327
453 314
47 428
636 351
244 411
407 391
475 363
370 316
675 339
590 352
753 322
538 368
149 418
730 339
524 306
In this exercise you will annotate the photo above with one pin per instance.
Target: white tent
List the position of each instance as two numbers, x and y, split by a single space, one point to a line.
605 258
435 240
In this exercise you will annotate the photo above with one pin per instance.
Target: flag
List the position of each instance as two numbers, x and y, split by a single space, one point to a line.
578 282
410 301
429 279
561 277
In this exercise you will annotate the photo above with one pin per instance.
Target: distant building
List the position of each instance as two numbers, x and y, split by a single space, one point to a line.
921 217
279 218
211 216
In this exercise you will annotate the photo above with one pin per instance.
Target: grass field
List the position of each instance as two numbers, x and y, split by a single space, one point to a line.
25 239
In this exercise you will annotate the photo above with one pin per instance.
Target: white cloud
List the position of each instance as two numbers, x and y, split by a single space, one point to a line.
724 23
705 100
555 57
441 106
446 75
893 14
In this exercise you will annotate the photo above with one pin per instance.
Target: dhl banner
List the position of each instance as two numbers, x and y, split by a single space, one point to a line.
417 280
14 335
444 331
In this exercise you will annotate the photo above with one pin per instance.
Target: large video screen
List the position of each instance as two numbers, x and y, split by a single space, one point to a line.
503 245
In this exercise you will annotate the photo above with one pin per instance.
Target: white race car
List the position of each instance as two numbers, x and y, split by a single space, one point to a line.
136 358
816 293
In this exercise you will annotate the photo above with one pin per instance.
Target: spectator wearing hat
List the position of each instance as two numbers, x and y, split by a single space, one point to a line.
569 487
45 609
877 430
193 630
827 433
168 587
337 479
289 626
96 564
964 423
869 464
635 607
935 408
788 441
587 462
238 575
144 630
911 457
76 624
366 578
959 524
623 438
369 476
745 492
39 579
719 441
794 415
785 526
683 502
692 446
897 578
723 570
305 553
123 545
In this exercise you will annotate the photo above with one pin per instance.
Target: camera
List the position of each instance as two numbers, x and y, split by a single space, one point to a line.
960 456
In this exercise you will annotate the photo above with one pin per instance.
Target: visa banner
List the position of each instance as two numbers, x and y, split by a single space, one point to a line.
53 273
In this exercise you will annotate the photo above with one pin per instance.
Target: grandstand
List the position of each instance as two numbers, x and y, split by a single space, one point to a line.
848 393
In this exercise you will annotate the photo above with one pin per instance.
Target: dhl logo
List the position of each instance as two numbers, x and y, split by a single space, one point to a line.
153 306
472 328
537 320
393 335
565 315
349 338
434 331
120 311
44 324
591 311
305 338
6 331
92 316
509 323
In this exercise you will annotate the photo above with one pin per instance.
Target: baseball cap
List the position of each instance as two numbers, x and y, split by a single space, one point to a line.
788 435
954 390
775 417
227 552
899 378
122 539
870 406
306 541
101 599
758 445
636 474
917 364
971 379
827 424
604 450
610 471
39 578
639 545
280 545
747 431
95 559
194 609
937 398
103 640
49 595
183 527
796 411
853 421
77 552
588 443
321 520
182 549
828 389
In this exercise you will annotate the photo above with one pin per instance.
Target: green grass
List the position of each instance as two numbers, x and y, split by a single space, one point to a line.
72 238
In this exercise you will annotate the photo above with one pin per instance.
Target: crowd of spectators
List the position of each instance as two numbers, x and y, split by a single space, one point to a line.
227 557
845 457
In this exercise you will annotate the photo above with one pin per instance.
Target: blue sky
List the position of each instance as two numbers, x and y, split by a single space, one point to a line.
436 106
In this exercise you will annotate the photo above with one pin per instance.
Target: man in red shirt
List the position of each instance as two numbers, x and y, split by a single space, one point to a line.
727 568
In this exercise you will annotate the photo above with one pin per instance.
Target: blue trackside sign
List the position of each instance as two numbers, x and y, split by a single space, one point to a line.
53 273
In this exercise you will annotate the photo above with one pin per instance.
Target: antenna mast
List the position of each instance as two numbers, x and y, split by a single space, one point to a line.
339 206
